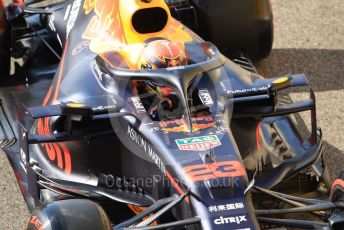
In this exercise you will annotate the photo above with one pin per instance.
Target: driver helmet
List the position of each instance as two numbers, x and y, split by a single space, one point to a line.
161 53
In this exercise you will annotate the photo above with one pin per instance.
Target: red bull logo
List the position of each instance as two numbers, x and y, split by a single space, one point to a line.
178 126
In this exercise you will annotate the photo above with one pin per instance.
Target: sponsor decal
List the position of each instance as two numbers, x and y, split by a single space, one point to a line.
230 220
104 30
178 126
65 17
164 124
89 5
36 223
74 12
56 152
104 107
23 149
221 130
251 90
51 23
198 143
215 170
80 47
53 28
226 207
23 160
138 104
183 128
147 148
175 68
205 97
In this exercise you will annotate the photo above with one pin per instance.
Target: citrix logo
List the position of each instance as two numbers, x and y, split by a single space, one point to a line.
227 220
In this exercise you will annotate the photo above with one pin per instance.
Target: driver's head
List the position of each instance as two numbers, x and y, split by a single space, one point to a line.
162 53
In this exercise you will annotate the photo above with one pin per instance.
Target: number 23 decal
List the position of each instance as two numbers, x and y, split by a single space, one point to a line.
203 172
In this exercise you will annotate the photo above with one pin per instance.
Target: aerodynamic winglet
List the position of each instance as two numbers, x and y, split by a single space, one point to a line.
69 108
45 111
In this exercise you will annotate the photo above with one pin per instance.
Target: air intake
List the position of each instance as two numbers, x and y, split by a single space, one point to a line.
149 20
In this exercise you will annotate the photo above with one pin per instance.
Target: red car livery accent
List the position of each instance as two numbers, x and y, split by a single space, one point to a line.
58 152
202 172
178 126
337 182
36 222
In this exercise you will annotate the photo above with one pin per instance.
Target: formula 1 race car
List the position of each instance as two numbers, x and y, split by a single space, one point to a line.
118 116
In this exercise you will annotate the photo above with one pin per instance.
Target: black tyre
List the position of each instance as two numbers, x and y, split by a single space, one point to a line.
71 214
264 42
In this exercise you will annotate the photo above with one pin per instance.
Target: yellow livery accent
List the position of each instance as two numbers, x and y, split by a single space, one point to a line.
281 80
75 105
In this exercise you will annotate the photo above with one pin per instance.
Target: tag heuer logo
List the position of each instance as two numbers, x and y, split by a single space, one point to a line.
198 143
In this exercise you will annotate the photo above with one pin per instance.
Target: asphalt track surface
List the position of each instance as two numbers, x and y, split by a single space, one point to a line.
309 38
